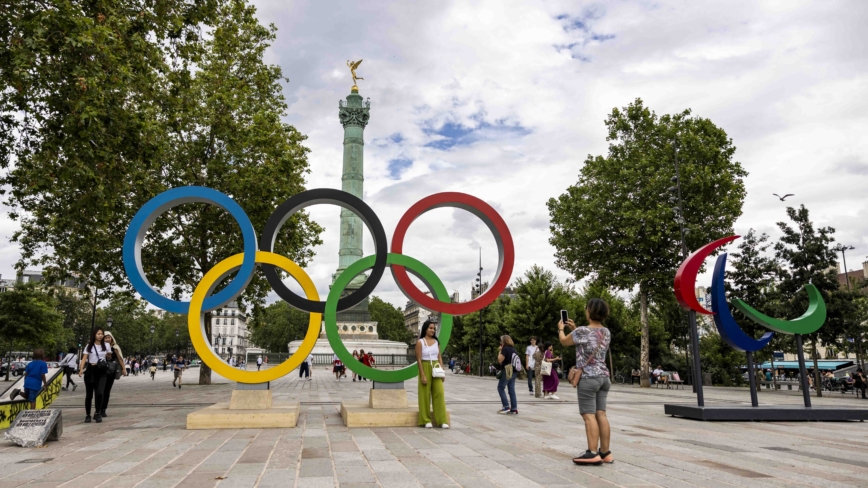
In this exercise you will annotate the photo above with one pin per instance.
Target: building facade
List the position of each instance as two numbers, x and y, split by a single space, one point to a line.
229 332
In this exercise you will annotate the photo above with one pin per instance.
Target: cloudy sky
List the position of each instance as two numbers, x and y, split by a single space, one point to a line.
504 100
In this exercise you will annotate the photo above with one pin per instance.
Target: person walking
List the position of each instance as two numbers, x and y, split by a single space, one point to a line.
258 363
153 370
428 359
356 357
530 362
550 382
304 369
507 358
94 376
592 342
178 369
538 358
115 357
860 382
337 367
364 359
69 362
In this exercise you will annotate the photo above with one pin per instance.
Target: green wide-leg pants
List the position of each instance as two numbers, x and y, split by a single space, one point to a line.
433 391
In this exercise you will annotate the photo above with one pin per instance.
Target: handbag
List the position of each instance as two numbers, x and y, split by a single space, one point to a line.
437 371
575 374
499 374
546 368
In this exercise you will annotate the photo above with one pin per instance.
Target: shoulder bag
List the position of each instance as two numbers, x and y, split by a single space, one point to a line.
575 375
546 368
437 371
101 364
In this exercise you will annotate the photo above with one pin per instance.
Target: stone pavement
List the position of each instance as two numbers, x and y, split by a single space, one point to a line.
143 442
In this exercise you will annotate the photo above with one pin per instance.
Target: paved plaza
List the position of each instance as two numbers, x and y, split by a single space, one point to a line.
143 442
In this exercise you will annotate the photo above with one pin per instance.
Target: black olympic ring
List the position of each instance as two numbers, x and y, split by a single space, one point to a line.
334 197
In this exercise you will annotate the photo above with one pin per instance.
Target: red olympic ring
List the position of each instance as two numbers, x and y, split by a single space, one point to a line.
505 251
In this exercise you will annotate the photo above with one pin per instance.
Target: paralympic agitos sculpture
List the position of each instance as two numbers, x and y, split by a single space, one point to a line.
245 263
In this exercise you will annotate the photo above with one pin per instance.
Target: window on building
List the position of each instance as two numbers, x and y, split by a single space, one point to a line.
233 321
233 313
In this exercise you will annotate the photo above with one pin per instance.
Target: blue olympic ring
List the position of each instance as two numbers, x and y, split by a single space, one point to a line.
135 236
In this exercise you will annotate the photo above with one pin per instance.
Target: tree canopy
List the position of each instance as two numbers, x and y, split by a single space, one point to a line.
617 223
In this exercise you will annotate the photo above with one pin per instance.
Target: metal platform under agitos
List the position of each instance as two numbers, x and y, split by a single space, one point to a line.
768 413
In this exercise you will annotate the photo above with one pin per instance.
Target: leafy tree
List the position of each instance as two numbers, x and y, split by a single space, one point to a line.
275 326
809 258
29 319
390 321
489 324
753 278
535 310
76 313
615 224
132 100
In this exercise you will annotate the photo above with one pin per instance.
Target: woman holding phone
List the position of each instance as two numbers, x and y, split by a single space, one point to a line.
592 342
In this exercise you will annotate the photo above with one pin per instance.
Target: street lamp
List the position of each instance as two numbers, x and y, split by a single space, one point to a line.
691 314
841 248
109 322
481 331
152 341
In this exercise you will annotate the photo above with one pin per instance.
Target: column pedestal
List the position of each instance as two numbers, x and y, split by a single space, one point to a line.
387 406
251 407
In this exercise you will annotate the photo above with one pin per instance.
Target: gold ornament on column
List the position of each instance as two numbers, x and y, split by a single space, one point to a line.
353 65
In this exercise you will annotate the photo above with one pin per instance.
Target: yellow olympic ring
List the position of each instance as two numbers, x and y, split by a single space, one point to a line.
196 320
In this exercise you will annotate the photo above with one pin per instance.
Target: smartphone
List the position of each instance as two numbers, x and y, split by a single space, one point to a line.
564 316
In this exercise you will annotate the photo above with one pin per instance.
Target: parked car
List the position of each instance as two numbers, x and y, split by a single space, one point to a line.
17 368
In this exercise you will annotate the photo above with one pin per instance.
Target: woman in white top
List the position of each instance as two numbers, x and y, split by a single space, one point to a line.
69 363
118 357
94 375
430 388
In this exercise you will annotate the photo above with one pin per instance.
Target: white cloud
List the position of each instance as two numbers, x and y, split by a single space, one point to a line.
527 86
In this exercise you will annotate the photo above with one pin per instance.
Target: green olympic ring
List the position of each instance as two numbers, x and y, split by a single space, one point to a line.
808 323
419 270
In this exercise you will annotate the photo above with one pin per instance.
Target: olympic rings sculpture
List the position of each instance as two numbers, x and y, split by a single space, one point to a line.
204 300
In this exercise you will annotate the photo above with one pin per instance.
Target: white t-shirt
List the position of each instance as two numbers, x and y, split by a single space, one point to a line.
529 352
96 353
258 360
657 372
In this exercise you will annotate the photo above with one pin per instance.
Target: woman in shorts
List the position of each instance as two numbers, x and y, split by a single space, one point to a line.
592 342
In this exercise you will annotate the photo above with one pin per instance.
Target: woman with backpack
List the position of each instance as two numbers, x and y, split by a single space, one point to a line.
94 358
592 342
508 359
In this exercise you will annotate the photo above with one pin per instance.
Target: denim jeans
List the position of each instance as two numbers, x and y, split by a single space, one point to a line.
530 380
503 383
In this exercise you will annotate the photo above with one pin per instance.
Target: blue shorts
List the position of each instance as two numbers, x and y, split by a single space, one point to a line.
31 394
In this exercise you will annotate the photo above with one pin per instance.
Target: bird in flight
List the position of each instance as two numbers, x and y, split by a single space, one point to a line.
782 198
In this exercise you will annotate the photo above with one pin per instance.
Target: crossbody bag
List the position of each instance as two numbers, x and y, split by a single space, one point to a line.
575 375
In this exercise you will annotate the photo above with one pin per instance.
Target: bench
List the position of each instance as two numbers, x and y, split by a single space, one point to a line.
777 385
677 383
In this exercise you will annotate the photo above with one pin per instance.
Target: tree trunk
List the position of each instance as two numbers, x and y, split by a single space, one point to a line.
645 381
817 384
204 370
859 357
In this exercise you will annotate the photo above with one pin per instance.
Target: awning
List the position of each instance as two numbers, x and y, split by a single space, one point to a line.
822 365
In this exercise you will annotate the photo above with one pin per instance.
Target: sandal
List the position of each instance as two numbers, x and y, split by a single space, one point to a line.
607 457
589 458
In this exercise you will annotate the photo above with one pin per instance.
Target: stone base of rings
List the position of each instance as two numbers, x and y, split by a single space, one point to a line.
221 416
385 408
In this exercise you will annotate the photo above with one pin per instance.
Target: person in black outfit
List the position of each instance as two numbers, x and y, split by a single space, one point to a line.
505 357
115 357
94 376
859 381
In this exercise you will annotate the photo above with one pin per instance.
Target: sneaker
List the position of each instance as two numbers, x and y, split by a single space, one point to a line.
63 389
513 412
606 457
554 397
444 426
503 411
429 425
531 392
546 396
103 414
309 379
179 387
74 386
87 419
97 418
588 458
